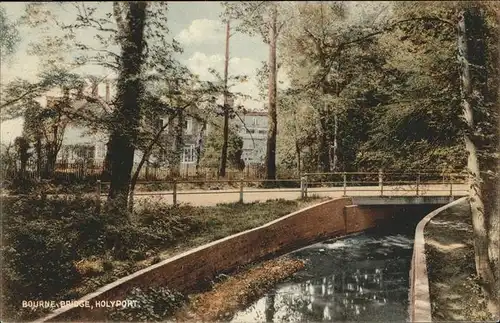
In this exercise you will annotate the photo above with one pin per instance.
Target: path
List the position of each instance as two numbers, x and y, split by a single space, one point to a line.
210 198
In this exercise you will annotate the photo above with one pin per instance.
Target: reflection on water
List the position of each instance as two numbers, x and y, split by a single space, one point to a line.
359 278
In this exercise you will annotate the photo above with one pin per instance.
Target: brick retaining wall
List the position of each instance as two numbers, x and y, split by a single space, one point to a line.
185 270
333 218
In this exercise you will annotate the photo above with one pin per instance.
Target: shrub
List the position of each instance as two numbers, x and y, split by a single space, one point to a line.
153 304
51 245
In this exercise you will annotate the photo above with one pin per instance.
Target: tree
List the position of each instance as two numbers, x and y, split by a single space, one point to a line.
45 125
296 126
263 18
129 39
210 156
128 99
481 138
331 65
22 148
9 35
225 134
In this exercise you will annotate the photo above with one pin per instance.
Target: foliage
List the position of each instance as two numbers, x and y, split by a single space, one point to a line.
78 249
213 145
9 35
153 304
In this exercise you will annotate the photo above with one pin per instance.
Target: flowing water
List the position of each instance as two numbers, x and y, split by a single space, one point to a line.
357 278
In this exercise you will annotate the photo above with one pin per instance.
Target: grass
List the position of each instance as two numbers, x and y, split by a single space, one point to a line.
455 292
227 219
61 249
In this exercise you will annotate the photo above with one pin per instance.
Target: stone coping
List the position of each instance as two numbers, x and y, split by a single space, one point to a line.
419 297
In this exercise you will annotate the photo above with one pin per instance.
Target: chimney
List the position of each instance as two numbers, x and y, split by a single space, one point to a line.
108 95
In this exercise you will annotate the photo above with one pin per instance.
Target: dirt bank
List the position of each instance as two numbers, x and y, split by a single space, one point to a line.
238 291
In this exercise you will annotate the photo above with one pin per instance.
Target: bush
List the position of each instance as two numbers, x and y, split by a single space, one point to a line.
52 245
153 304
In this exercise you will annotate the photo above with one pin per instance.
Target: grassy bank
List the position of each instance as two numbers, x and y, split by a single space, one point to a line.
455 292
62 249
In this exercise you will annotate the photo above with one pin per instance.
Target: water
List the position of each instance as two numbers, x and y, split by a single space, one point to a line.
357 278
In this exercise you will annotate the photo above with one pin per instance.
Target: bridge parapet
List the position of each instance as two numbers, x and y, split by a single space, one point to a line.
403 200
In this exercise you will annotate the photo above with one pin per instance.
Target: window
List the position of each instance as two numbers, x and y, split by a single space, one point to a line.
254 121
189 154
163 122
262 132
188 126
100 150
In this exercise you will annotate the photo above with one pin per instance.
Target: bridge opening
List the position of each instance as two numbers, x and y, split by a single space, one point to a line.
360 277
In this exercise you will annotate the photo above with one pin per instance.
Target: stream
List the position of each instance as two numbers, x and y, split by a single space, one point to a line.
364 277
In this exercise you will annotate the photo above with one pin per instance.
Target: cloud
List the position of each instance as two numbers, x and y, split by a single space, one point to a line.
199 63
202 31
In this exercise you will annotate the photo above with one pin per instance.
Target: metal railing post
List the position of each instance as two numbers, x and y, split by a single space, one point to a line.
174 193
241 190
98 193
418 182
305 190
302 187
381 182
451 185
344 176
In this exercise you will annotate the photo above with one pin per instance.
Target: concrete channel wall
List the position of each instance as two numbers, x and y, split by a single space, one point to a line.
419 296
183 272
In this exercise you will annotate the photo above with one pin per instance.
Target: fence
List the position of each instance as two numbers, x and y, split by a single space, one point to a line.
343 183
92 171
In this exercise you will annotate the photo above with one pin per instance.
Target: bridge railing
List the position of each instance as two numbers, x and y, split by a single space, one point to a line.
420 183
336 183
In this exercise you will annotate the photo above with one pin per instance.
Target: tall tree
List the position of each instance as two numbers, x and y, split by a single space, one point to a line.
226 108
129 95
479 131
264 18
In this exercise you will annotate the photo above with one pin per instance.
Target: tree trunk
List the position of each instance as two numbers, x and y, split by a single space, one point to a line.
39 156
50 164
144 159
178 146
106 167
273 120
297 152
479 217
199 146
223 157
333 153
323 143
494 223
124 134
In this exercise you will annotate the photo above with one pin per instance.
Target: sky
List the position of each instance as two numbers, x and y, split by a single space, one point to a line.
195 25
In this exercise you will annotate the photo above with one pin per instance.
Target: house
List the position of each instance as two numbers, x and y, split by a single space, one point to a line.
253 131
81 144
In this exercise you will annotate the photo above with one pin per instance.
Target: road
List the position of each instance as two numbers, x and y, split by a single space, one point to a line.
214 197
210 198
